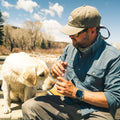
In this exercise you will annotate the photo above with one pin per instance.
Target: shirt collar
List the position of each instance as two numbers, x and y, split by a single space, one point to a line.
93 47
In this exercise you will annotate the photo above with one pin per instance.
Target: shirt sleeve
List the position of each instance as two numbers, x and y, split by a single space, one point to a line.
63 56
112 84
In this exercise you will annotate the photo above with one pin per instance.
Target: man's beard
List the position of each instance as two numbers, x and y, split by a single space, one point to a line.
77 44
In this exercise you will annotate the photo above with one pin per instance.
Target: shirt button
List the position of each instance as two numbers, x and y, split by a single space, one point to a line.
93 73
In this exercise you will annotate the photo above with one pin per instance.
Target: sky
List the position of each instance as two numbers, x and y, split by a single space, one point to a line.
54 14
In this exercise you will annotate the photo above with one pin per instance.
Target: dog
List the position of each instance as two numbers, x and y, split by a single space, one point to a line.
22 76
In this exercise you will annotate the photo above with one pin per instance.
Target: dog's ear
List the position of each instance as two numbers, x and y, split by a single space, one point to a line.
42 72
30 76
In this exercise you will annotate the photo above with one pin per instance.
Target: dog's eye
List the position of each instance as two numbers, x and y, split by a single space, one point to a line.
42 75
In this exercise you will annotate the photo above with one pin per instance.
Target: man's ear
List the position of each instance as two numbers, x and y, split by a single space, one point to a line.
94 30
30 76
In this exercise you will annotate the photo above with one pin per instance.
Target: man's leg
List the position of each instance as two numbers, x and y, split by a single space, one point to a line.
53 108
99 115
49 108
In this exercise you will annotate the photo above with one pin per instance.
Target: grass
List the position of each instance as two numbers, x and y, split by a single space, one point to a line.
53 51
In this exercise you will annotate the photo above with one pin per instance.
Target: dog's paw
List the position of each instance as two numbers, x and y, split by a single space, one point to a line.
6 109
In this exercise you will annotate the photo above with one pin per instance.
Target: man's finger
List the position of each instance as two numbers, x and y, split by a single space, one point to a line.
61 79
61 66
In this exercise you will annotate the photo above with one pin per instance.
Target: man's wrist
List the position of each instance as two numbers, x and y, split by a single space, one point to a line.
79 94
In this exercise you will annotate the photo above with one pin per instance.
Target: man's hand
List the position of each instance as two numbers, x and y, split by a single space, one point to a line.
58 69
65 87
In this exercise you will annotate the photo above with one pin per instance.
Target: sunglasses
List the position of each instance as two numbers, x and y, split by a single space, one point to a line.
77 34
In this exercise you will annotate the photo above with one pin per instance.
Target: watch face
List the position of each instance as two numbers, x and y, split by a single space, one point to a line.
79 94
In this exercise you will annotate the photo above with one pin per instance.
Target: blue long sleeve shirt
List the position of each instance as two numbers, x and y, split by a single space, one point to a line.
98 70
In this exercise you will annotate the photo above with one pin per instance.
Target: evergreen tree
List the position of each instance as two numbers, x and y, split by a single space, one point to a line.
43 45
1 28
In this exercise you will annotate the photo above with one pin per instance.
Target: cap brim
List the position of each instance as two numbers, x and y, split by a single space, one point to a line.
69 30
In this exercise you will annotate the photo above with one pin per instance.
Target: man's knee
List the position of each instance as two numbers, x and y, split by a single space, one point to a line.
24 106
27 106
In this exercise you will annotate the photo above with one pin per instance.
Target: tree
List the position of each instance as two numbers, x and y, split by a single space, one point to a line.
1 29
43 45
8 37
34 32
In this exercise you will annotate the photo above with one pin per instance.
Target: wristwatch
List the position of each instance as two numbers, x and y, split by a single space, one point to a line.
79 94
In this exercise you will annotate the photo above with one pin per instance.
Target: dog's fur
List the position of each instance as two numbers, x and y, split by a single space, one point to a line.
22 76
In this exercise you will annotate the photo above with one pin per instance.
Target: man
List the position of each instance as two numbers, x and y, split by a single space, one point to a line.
91 88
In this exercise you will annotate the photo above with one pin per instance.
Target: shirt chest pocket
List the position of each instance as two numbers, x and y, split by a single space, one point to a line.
94 79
